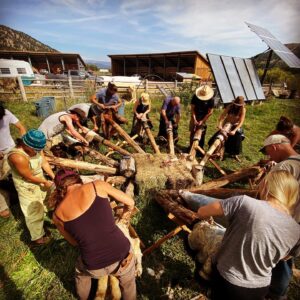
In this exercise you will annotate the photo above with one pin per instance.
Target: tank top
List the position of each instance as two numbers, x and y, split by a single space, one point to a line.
141 108
101 242
52 126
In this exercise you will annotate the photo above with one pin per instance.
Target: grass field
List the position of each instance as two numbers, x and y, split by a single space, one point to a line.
47 272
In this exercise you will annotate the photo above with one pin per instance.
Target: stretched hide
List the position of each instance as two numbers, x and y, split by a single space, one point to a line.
206 239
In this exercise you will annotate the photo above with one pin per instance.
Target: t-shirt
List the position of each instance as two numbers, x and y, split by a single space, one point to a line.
292 165
201 107
107 101
171 110
257 237
85 107
52 126
6 140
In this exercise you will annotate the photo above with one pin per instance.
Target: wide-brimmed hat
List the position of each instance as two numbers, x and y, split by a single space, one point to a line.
204 92
239 101
275 139
34 139
145 98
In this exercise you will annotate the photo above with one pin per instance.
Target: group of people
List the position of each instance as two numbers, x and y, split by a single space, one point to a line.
262 236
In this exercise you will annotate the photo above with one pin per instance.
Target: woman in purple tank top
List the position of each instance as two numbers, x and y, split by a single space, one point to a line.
84 217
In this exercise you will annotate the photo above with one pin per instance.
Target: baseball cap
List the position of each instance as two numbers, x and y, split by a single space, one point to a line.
275 139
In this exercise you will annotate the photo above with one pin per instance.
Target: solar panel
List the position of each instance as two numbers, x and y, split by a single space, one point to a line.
234 77
280 49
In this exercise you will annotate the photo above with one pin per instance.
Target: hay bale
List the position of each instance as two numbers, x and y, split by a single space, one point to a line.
156 172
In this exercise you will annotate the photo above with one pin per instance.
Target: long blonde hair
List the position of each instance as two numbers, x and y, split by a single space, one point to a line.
281 186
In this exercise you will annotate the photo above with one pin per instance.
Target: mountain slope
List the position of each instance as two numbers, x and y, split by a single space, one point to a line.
14 40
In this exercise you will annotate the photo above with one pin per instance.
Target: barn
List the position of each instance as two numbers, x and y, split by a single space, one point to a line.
49 61
160 65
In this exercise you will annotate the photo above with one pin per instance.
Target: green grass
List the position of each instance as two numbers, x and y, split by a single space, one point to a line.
48 272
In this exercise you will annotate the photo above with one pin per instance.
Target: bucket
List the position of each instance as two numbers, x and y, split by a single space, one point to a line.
45 106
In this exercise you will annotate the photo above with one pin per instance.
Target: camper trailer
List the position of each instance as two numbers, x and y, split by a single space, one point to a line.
15 68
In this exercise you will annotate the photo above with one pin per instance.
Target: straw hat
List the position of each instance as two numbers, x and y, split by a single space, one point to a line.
145 98
204 92
239 101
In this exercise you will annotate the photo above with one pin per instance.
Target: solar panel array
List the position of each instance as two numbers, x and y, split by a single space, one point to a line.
280 49
235 77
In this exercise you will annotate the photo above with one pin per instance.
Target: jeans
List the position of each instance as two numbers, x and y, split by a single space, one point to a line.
281 276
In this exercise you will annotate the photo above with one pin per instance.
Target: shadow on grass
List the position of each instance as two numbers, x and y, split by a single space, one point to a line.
58 256
8 289
172 267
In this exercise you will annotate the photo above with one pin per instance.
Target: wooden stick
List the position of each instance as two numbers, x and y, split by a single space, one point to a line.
150 136
179 222
212 161
163 239
134 234
95 154
196 140
111 145
69 163
122 132
122 144
238 175
171 140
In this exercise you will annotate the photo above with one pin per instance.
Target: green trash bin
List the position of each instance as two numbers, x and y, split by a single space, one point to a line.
52 102
43 108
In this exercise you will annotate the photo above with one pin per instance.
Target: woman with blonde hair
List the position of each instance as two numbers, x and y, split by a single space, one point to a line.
259 235
141 110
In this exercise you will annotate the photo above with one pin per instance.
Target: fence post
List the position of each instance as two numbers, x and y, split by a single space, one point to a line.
146 85
175 84
71 87
22 89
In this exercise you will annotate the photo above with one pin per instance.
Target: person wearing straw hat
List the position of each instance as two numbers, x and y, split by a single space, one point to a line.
235 114
201 109
27 164
141 110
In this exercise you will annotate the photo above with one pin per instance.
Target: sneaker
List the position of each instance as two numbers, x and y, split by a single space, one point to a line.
5 214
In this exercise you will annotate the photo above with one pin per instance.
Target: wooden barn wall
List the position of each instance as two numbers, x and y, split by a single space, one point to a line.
202 68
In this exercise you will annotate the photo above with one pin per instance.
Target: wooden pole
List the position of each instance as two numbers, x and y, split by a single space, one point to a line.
111 145
121 145
95 154
22 89
196 140
127 138
163 239
170 139
211 161
69 163
238 175
150 136
71 87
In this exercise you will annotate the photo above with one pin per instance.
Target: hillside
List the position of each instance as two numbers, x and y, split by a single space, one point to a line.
11 39
261 59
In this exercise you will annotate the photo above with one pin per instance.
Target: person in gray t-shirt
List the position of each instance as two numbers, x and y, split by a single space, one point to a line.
259 235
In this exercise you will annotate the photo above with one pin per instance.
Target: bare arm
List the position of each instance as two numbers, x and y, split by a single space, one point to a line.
21 128
164 115
222 118
211 210
114 193
46 167
209 113
241 121
148 110
296 137
61 229
70 129
193 113
21 164
177 118
95 101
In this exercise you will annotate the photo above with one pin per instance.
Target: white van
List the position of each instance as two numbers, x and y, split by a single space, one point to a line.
14 68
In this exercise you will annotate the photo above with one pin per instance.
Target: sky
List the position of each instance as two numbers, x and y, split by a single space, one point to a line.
97 28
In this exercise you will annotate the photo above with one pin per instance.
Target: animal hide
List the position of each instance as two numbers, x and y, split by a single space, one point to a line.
206 238
114 293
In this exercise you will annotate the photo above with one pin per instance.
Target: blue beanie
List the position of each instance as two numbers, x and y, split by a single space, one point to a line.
34 139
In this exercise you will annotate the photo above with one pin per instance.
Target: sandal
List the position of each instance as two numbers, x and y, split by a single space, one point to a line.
5 214
42 241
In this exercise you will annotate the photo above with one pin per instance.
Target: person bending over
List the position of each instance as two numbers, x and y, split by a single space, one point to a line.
84 217
259 235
